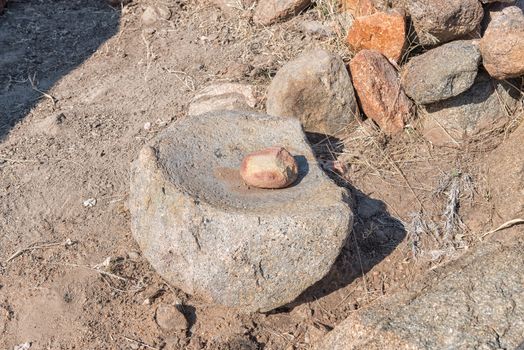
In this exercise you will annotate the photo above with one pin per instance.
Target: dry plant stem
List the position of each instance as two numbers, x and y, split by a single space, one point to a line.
361 266
18 160
97 270
35 247
405 180
34 87
450 212
140 342
503 227
397 168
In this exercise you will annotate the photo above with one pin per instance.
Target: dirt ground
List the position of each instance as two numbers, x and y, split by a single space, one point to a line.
78 82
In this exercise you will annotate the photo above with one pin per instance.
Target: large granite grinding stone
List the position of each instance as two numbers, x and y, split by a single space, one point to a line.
212 236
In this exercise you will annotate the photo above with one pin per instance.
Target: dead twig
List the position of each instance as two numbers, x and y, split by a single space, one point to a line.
140 342
32 80
32 247
102 272
503 227
188 80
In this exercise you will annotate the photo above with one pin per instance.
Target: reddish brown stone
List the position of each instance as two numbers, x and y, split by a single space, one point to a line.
383 32
502 46
2 5
358 7
272 167
378 88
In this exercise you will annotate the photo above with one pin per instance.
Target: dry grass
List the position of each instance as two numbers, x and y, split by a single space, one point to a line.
413 48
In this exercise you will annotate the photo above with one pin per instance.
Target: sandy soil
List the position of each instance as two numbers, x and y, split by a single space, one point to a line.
78 81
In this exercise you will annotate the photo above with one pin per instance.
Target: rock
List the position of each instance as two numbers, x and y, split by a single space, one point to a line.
170 319
378 88
314 333
133 255
438 21
272 167
152 14
317 29
269 12
495 9
23 346
149 16
502 1
483 107
502 46
210 235
476 302
315 88
238 71
505 178
383 32
232 7
223 96
358 7
441 73
396 4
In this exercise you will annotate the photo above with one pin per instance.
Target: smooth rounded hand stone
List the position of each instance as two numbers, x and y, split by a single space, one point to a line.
272 167
207 233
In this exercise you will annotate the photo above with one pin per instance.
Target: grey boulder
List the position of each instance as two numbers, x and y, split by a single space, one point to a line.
485 106
212 236
476 302
442 72
439 21
315 88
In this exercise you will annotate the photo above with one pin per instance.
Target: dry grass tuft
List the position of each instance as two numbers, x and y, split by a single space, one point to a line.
413 47
329 12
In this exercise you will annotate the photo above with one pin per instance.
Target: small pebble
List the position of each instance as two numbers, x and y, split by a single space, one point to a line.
89 203
170 319
133 255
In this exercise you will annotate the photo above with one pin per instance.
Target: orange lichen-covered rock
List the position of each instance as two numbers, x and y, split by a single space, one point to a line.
272 167
383 31
377 84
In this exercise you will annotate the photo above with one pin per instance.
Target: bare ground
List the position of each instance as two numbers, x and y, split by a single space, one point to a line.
77 84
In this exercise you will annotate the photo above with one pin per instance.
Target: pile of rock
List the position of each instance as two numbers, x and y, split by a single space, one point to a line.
468 47
232 206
